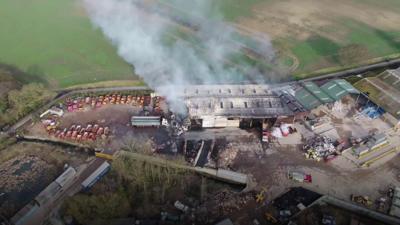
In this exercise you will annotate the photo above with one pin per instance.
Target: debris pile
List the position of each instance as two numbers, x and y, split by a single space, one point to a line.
281 131
319 147
230 152
177 125
157 100
228 202
79 103
192 148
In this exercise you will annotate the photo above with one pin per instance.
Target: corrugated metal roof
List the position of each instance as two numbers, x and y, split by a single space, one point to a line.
346 86
308 100
48 193
88 182
334 90
66 176
391 77
317 92
146 121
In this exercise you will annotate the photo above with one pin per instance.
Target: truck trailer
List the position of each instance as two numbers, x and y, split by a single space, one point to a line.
95 176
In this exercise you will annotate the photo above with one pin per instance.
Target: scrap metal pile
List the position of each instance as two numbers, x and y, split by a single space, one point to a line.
319 147
80 103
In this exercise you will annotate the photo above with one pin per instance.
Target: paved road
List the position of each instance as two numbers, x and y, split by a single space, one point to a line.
358 70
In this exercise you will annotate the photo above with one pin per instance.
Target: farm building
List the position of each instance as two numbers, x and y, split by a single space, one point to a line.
383 90
311 95
229 105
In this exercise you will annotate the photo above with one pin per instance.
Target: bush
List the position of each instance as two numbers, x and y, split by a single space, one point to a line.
87 209
21 102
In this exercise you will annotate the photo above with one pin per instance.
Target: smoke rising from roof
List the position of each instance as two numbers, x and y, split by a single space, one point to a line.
149 37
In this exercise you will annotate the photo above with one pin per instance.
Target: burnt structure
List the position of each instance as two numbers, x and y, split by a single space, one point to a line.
229 105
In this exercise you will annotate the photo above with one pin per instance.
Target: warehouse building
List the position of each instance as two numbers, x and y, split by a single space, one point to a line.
310 95
237 105
384 91
231 105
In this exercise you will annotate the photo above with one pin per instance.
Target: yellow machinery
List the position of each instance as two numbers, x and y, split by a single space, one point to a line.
104 156
260 197
270 218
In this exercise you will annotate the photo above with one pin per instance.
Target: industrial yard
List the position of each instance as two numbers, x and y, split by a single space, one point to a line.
228 112
237 146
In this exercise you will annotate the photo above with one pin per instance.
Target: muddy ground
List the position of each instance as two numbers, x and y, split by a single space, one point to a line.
27 168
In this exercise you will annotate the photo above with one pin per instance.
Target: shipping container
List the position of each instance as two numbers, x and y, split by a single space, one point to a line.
66 177
96 175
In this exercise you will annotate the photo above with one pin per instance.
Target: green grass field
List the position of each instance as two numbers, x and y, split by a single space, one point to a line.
55 41
54 38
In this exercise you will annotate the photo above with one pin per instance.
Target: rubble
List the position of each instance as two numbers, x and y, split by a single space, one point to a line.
231 150
228 202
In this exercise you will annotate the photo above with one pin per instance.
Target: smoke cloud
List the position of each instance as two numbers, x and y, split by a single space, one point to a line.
150 37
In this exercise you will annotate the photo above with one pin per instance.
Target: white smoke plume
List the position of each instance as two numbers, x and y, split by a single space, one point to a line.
138 30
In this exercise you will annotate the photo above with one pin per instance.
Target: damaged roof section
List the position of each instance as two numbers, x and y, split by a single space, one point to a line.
261 101
227 90
243 101
244 107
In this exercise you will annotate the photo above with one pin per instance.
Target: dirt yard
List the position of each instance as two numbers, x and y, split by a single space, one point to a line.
338 177
117 118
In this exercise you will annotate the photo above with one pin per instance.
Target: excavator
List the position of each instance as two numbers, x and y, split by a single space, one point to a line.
260 197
